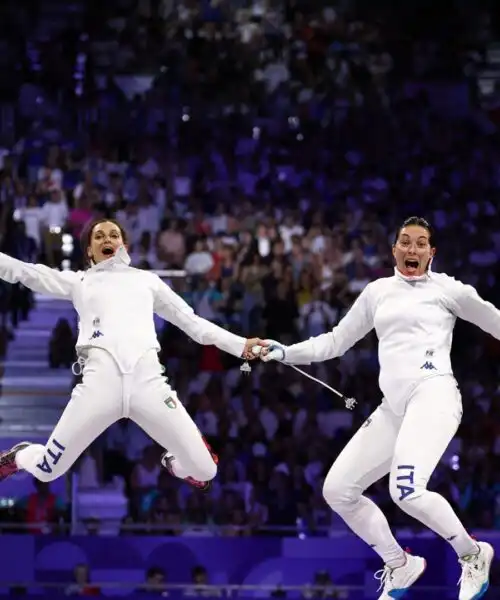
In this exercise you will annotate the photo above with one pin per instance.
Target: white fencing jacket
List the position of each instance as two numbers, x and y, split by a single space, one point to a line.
414 319
115 304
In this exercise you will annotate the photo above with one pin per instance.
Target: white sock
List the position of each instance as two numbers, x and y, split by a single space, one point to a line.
436 513
368 522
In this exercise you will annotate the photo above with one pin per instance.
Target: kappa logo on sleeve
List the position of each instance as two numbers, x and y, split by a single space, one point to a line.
96 334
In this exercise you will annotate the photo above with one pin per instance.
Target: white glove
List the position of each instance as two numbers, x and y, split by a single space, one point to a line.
276 351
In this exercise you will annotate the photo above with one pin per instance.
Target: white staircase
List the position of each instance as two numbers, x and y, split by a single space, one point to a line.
33 395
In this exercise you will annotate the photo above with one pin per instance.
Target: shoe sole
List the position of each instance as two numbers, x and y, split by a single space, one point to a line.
486 584
8 459
7 464
398 594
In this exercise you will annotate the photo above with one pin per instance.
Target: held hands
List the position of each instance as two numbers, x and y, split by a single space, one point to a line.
249 352
270 350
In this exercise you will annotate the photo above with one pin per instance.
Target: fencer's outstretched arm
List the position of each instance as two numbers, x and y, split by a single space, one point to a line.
357 323
37 277
468 305
171 307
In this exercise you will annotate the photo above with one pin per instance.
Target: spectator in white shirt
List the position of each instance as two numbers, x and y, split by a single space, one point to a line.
49 178
316 316
148 214
288 230
53 216
200 261
31 214
219 222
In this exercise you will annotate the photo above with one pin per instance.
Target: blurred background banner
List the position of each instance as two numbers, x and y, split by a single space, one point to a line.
251 563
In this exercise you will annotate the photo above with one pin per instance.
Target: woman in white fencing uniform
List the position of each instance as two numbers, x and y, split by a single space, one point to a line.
413 313
117 344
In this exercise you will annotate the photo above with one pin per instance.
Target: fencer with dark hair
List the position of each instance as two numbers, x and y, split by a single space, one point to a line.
413 313
118 350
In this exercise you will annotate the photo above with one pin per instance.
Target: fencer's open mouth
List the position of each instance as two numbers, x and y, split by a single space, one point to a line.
108 251
411 264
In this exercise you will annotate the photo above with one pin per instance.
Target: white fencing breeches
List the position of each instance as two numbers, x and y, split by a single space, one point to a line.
107 395
409 449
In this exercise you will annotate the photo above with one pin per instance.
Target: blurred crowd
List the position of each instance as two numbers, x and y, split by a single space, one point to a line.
277 155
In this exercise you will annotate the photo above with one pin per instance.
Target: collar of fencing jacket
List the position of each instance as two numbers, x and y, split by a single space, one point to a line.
400 275
121 258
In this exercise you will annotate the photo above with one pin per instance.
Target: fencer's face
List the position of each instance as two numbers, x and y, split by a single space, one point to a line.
105 240
413 251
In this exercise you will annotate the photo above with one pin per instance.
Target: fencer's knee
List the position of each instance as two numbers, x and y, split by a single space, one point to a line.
339 493
403 488
211 471
33 460
45 477
206 470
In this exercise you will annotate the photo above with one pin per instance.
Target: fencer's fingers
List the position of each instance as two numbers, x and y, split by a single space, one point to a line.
257 342
253 347
274 354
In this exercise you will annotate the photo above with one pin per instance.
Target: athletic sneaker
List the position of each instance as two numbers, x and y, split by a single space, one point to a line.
8 464
167 459
475 578
395 582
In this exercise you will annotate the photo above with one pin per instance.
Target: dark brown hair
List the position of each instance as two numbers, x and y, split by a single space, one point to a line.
88 230
418 222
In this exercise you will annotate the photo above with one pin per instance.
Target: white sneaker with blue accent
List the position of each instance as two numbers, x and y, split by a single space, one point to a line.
395 582
475 578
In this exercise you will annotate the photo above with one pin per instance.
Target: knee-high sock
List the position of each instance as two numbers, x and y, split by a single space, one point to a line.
368 522
436 513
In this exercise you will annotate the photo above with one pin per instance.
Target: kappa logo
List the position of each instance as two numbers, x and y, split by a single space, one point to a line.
428 366
367 422
96 334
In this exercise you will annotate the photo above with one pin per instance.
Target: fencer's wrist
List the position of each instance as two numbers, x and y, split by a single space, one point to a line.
273 351
277 353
